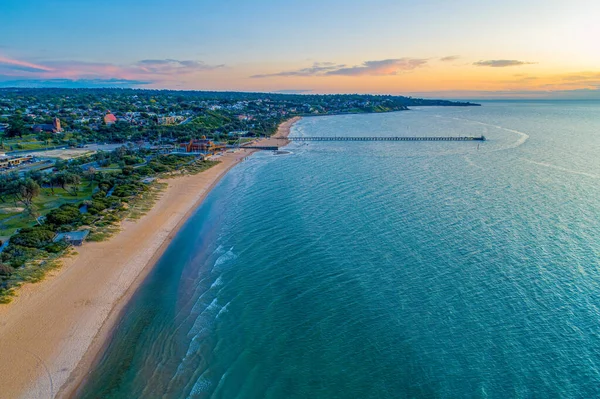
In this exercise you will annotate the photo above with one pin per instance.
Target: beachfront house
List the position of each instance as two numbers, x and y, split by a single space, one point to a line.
72 237
202 146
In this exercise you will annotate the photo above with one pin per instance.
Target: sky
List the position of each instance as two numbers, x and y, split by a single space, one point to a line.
427 48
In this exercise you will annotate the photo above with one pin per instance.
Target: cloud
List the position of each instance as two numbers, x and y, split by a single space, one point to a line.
318 68
582 77
450 58
383 67
74 84
93 74
501 63
169 66
372 68
8 64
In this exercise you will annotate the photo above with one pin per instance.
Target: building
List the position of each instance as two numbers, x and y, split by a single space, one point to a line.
51 128
8 162
170 120
109 118
203 146
72 237
238 133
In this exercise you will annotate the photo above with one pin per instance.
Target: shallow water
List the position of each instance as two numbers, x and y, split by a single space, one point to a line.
383 270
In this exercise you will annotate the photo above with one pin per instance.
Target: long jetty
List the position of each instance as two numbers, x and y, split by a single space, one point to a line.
379 138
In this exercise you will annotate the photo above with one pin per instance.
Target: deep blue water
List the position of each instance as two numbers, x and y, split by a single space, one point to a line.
383 270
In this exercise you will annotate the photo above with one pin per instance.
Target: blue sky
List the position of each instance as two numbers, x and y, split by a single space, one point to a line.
489 46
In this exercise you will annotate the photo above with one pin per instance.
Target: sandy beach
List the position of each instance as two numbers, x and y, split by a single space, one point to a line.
53 330
277 140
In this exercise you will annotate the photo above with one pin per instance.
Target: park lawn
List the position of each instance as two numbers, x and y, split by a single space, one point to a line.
9 225
44 203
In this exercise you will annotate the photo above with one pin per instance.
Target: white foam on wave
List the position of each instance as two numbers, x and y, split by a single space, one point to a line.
226 257
192 348
218 282
198 303
223 309
213 305
201 386
556 167
219 249
204 320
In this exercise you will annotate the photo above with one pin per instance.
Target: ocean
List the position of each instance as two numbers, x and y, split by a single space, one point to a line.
383 269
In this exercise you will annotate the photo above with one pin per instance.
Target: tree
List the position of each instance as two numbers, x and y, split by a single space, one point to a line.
63 179
91 175
16 126
27 190
8 184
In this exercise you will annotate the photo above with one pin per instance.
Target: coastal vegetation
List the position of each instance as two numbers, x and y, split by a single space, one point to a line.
78 197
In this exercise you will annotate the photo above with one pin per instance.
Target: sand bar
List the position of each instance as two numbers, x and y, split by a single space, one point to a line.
50 333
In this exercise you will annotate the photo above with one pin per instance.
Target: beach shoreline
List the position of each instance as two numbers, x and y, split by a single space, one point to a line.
54 331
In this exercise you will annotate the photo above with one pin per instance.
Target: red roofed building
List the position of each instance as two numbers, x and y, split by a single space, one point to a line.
109 118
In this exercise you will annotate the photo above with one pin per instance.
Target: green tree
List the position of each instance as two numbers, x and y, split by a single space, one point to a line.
27 190
16 126
91 175
64 179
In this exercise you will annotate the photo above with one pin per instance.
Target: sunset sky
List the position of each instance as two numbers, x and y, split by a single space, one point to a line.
431 48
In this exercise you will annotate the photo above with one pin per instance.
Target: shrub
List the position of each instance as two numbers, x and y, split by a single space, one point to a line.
125 190
158 167
56 247
6 270
18 255
32 237
97 206
66 214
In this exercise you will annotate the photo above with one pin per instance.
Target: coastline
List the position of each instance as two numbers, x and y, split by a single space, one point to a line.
54 330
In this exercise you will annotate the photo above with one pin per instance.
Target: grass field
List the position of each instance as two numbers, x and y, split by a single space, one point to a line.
12 219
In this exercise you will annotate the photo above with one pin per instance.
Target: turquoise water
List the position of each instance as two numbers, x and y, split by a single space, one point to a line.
383 270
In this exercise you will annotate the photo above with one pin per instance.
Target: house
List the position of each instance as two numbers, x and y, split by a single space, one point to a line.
72 237
238 133
170 120
109 118
51 128
203 145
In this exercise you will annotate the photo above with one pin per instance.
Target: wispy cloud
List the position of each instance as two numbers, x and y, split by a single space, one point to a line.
169 66
9 64
382 67
372 68
450 58
318 68
501 63
79 73
582 77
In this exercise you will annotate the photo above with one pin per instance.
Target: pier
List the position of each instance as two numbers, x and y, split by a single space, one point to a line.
379 138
